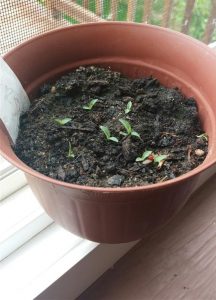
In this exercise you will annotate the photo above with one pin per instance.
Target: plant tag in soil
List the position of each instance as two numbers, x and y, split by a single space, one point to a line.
13 99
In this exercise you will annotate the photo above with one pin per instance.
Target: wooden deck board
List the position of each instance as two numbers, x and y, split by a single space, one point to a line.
23 20
179 262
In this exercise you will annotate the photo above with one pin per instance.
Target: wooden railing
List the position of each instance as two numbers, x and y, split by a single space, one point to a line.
81 13
211 24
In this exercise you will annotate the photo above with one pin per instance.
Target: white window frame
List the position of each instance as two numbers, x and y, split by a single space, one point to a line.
11 179
21 217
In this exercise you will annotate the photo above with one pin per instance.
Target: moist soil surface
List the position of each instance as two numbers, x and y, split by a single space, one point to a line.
78 151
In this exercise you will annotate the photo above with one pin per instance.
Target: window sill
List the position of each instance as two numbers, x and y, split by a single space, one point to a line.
21 218
53 253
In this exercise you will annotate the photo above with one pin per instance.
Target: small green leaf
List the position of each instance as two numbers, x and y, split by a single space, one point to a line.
144 156
126 125
159 158
123 133
139 159
70 151
114 139
90 105
106 131
204 136
134 133
128 108
62 121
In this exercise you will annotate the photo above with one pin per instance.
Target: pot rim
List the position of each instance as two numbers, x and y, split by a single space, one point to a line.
161 185
110 23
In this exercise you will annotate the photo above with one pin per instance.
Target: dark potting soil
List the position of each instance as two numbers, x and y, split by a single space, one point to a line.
165 123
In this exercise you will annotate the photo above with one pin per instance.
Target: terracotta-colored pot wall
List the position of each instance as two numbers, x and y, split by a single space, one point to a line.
119 214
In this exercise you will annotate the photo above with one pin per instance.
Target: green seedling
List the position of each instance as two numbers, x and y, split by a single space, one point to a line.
62 121
128 128
159 159
107 134
144 156
203 136
70 151
90 105
128 108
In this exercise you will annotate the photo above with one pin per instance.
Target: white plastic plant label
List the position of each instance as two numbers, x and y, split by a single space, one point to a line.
13 99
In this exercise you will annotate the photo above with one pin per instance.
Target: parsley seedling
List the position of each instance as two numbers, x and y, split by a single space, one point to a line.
144 156
128 108
107 134
128 128
70 151
90 105
62 122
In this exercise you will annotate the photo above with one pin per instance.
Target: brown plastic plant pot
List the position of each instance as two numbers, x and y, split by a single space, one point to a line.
115 215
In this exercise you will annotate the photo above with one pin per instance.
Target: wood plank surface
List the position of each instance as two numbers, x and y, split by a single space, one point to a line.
114 9
147 10
168 4
177 263
211 24
76 11
131 10
187 15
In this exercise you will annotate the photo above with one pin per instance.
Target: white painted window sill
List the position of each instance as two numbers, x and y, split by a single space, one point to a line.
40 262
45 258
